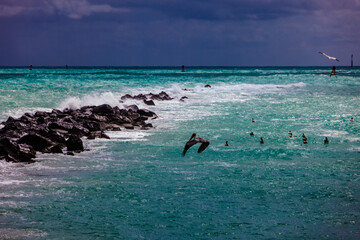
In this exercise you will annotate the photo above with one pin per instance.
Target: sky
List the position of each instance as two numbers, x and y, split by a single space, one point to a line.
179 32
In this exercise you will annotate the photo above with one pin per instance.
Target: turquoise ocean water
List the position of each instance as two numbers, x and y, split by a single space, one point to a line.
138 186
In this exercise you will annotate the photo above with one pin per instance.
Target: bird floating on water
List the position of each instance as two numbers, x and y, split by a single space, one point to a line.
331 58
192 141
290 134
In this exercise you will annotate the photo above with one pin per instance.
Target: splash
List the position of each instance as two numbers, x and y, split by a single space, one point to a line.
91 100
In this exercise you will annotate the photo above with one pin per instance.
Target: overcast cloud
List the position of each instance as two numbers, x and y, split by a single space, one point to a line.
176 32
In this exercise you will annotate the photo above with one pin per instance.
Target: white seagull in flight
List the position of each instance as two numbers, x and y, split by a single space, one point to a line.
332 58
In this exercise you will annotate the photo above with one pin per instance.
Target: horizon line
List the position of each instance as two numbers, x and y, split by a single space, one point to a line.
160 66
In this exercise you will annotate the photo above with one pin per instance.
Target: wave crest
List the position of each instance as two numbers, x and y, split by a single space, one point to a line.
90 100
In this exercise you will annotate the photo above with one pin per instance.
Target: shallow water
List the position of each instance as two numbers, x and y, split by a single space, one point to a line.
138 186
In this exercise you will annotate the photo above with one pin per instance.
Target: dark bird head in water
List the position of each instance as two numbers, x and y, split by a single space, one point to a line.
192 141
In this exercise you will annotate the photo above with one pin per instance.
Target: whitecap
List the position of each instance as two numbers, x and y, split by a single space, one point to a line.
91 100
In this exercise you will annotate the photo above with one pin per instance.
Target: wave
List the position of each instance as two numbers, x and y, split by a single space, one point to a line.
251 88
91 100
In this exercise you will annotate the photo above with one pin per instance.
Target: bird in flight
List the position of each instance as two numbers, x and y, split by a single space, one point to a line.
332 58
192 141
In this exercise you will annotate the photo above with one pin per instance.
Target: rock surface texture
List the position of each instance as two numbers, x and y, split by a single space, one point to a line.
56 131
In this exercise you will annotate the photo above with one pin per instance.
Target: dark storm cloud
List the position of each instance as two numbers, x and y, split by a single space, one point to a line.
212 10
143 32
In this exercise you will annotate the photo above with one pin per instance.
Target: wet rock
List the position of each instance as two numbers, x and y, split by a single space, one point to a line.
208 86
38 142
61 125
132 108
56 149
129 126
103 109
149 102
98 118
92 126
74 143
104 135
145 112
48 131
127 96
14 152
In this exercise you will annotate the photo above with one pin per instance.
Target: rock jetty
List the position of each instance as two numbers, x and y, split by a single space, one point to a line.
61 131
148 98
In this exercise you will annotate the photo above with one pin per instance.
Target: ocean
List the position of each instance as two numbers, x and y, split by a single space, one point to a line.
137 185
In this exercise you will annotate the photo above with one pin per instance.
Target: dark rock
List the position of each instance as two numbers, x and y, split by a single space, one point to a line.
127 96
14 152
91 136
56 149
92 126
145 112
112 127
140 97
53 136
25 119
133 108
149 102
38 142
41 114
61 125
103 109
98 118
74 143
134 115
56 112
164 96
128 126
10 119
208 86
79 130
47 131
104 135
14 125
148 125
40 120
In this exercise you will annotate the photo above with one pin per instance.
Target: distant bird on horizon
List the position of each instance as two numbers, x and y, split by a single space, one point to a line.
331 58
192 141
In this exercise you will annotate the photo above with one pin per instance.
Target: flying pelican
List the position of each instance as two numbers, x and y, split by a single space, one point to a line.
332 58
192 141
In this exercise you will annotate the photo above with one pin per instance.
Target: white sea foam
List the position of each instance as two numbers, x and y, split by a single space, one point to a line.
18 112
332 133
12 182
90 100
11 233
242 92
130 135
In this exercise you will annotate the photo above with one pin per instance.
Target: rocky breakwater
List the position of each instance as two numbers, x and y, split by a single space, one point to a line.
61 131
148 99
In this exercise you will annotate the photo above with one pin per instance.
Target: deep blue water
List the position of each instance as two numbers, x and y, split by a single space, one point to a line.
138 186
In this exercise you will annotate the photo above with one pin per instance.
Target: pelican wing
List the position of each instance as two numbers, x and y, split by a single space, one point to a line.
203 146
188 145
